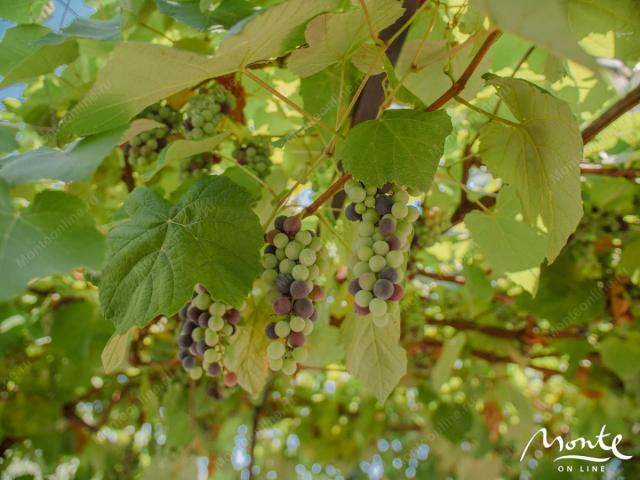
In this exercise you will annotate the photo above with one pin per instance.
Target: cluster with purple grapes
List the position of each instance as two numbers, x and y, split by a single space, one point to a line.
385 225
207 329
255 153
145 147
290 261
204 111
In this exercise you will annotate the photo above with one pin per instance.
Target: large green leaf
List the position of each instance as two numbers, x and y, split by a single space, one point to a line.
227 14
25 11
544 22
77 162
403 147
539 156
18 43
154 72
248 351
335 36
86 28
159 251
373 354
622 356
53 235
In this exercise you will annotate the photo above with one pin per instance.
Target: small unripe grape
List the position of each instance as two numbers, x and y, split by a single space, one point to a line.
228 330
401 197
292 250
297 324
217 309
367 280
363 297
366 229
412 214
198 334
308 326
195 373
300 272
282 329
211 338
211 356
395 258
381 247
275 350
399 210
286 265
365 253
371 216
304 237
360 208
314 272
357 194
289 367
378 307
275 364
216 323
354 286
280 254
360 268
377 263
370 201
281 240
202 301
316 244
269 261
307 257
269 275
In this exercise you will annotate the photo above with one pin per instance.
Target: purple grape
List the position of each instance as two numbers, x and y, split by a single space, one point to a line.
225 107
203 319
193 313
188 362
183 312
214 370
292 226
182 354
314 315
351 214
200 289
303 308
296 339
387 226
270 249
361 310
398 293
317 293
390 274
185 341
383 204
270 331
271 234
279 222
383 289
281 306
232 316
386 187
188 327
299 289
283 283
200 347
393 241
354 286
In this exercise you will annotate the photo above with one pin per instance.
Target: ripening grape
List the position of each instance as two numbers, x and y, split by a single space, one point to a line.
144 148
204 111
255 153
291 255
429 227
206 331
385 225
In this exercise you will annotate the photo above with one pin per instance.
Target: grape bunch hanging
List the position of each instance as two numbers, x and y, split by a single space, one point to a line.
145 147
204 111
255 153
385 225
291 270
207 329
429 228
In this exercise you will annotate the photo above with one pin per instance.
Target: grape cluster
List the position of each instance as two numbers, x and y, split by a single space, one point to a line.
145 147
205 335
290 262
201 162
204 111
429 228
384 230
255 154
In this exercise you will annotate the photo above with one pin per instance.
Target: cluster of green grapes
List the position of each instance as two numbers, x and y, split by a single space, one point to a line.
429 227
204 111
385 225
207 329
255 153
145 147
201 162
290 261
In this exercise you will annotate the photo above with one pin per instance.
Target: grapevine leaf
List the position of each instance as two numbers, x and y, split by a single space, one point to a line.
544 23
373 354
450 353
154 72
25 11
227 14
53 235
77 162
86 28
335 36
247 355
403 147
159 251
622 355
325 346
8 141
539 156
630 259
18 43
116 352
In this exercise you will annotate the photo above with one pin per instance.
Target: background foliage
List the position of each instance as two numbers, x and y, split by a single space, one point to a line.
512 122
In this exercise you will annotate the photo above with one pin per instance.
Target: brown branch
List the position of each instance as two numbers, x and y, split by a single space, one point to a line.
127 175
612 113
326 195
442 277
459 84
257 413
596 169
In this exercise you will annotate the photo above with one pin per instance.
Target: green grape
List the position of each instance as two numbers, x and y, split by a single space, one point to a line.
282 328
377 263
211 337
281 240
286 265
363 297
289 367
365 253
395 258
378 307
304 237
275 364
198 334
202 301
276 350
216 323
300 272
307 257
297 324
292 250
196 373
217 309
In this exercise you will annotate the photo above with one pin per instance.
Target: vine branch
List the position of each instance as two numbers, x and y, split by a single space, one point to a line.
612 113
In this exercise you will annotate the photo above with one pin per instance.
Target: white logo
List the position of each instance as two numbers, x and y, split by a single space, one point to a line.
598 449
